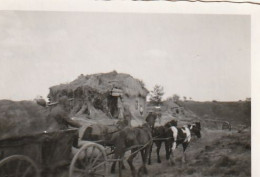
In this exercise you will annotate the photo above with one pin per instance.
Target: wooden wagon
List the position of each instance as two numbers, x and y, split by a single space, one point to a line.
42 154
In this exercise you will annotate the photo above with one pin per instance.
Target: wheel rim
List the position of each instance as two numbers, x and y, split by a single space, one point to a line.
89 161
18 166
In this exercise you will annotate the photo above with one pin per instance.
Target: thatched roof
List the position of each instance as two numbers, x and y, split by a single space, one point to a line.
103 83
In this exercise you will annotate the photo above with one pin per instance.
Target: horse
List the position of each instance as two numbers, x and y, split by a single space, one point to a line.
135 139
183 136
102 134
161 136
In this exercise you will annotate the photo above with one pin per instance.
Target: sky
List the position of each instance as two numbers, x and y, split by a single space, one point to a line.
205 57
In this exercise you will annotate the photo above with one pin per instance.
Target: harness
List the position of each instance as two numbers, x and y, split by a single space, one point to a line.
156 138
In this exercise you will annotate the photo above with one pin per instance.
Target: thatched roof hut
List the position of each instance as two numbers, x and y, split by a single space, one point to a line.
102 95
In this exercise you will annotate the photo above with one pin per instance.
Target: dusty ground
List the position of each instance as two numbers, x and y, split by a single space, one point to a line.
217 154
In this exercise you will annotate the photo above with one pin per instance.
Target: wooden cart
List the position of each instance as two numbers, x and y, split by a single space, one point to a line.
40 155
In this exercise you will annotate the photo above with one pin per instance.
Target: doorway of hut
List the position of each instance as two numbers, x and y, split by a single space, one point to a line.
112 104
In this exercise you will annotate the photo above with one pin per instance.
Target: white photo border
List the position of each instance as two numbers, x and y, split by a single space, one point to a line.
175 8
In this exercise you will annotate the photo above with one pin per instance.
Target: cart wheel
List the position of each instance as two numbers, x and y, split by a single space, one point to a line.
18 166
89 161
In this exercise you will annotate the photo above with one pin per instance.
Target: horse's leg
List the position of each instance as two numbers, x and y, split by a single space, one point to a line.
120 164
150 154
130 162
167 149
171 160
147 150
117 155
158 145
123 165
172 149
143 161
184 145
114 164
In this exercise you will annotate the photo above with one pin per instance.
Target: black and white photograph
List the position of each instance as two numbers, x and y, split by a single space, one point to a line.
86 92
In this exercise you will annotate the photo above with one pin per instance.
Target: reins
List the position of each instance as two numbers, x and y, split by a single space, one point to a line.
168 138
108 133
138 150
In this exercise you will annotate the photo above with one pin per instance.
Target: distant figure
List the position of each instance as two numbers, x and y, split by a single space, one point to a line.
120 108
61 114
127 116
141 110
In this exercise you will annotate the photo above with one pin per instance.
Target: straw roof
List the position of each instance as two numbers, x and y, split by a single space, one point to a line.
103 83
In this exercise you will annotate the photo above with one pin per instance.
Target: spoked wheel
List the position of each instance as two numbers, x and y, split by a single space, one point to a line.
18 166
89 161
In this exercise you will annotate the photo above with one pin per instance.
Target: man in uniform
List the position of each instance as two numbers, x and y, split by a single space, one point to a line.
61 114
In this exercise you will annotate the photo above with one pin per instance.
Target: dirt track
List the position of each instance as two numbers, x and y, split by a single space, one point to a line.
217 154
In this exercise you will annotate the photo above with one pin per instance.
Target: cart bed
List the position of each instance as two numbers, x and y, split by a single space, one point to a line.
48 149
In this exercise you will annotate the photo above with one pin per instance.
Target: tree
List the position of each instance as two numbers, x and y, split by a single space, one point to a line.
173 98
176 97
156 95
184 98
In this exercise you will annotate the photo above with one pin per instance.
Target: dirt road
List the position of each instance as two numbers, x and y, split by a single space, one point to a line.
217 154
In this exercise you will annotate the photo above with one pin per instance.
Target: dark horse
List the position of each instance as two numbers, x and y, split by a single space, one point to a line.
183 136
102 134
161 135
135 139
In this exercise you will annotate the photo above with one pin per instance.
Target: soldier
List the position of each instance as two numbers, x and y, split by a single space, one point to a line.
61 114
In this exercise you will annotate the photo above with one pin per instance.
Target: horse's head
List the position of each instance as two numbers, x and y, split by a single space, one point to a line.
195 129
171 123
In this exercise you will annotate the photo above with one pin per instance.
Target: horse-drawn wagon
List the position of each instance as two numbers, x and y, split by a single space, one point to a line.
44 154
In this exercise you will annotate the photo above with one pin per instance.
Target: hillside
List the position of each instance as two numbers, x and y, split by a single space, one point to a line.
234 112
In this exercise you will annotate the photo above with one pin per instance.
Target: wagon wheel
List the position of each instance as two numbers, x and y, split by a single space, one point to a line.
89 161
18 166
